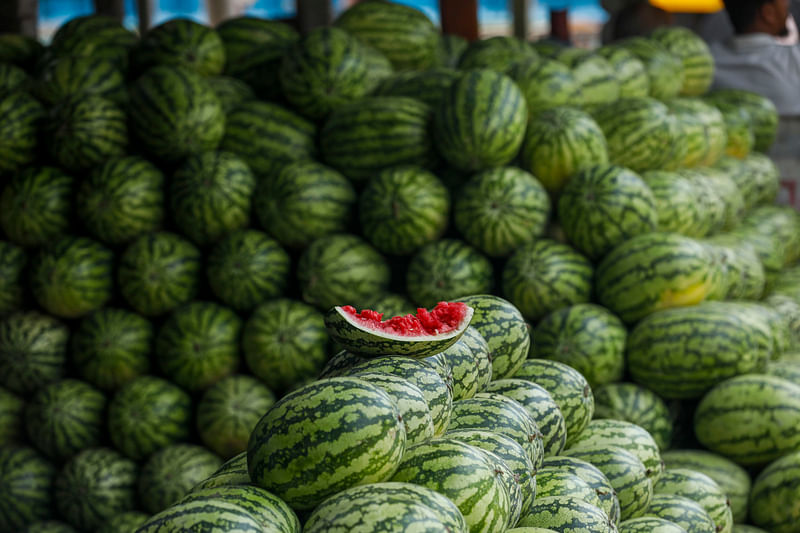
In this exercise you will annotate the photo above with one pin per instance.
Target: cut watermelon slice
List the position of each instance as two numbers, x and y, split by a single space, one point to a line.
422 335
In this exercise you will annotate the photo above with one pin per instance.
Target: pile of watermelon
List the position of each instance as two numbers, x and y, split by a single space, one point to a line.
186 216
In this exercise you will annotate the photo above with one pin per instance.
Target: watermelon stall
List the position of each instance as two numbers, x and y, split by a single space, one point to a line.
205 231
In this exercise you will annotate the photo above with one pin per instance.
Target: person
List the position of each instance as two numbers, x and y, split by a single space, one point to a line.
763 56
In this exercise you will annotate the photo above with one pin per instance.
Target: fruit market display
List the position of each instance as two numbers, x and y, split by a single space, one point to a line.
205 231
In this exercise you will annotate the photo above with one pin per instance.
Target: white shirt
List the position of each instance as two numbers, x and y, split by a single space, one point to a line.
761 64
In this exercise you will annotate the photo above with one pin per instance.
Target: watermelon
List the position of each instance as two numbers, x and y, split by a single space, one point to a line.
49 526
497 53
586 337
323 71
701 489
677 199
362 138
171 472
743 272
703 126
284 343
629 70
203 515
231 92
594 75
20 50
470 362
546 83
158 272
593 477
430 86
378 66
12 265
94 35
93 486
739 128
545 275
402 33
778 222
664 69
85 130
650 524
763 115
12 78
64 418
177 113
247 267
720 195
392 303
72 277
403 208
22 115
635 404
148 414
641 134
510 482
567 514
451 47
446 269
232 473
121 199
269 510
127 521
684 512
210 196
305 477
698 63
32 351
552 482
35 206
561 142
651 272
439 363
75 76
254 48
26 480
500 209
12 409
548 47
773 500
756 176
181 42
340 269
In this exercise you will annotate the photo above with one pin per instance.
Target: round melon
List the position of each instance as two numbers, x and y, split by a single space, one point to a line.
664 69
763 114
128 520
684 512
270 511
430 86
703 126
593 477
546 83
94 35
594 75
497 53
66 77
33 351
49 526
701 489
181 42
470 363
26 481
650 524
171 472
450 49
232 473
13 260
698 63
13 77
566 514
677 203
775 492
629 70
554 482
20 50
22 116
12 415
231 92
36 206
638 405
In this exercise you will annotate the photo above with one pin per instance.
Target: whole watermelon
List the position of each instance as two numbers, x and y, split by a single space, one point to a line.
636 404
181 42
774 492
12 286
497 53
33 350
12 414
665 70
22 115
231 92
594 75
678 203
430 86
70 76
171 472
763 114
628 69
704 128
546 83
698 63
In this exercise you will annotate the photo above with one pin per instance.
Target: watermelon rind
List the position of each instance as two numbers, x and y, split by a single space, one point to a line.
567 515
650 524
33 351
26 481
594 478
775 493
685 512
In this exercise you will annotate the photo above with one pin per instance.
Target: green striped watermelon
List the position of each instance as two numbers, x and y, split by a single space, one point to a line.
451 47
559 143
763 115
93 486
158 272
288 454
121 199
177 113
687 513
26 481
703 126
22 115
629 70
148 414
719 195
13 78
70 76
181 42
430 86
284 343
231 92
546 83
49 526
127 521
470 362
270 511
545 275
497 53
474 138
65 418
665 70
402 33
510 482
500 209
701 489
361 138
756 176
742 268
72 277
593 477
650 524
677 202
303 201
788 369
247 267
552 482
326 69
403 208
773 500
739 130
210 196
594 75
232 473
566 514
203 515
20 50
94 35
12 409
33 349
171 472
779 222
378 66
652 272
36 205
439 363
638 405
13 260
698 63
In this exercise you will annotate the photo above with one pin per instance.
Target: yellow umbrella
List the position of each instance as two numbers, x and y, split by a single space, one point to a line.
689 6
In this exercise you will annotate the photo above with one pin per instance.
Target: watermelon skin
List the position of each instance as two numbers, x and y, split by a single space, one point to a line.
559 143
774 495
269 510
32 351
303 201
66 417
739 129
566 514
12 409
676 203
403 208
378 66
72 277
629 70
13 78
664 69
474 138
231 92
470 363
500 209
49 526
429 86
545 275
22 115
202 515
177 113
546 83
698 63
13 260
121 199
127 521
35 206
593 73
704 128
171 472
93 486
247 267
371 512
682 511
721 197
94 35
552 482
148 414
284 343
323 71
26 481
586 337
497 53
228 412
650 524
364 137
754 400
181 42
638 405
593 477
378 432
463 474
232 473
20 50
158 272
403 34
763 114
701 489
510 482
758 179
70 76
450 49
652 272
